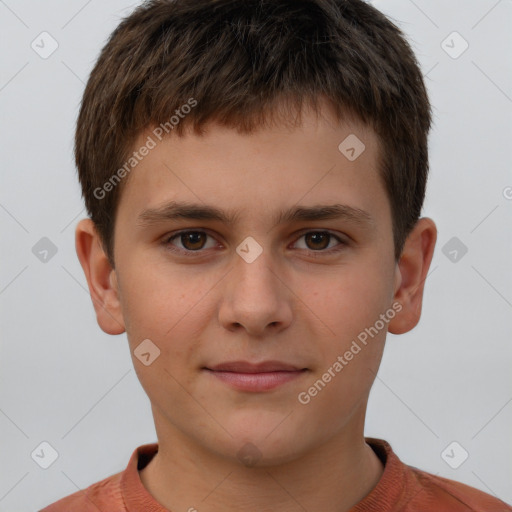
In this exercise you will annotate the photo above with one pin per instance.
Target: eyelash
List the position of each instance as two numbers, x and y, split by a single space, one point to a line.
189 253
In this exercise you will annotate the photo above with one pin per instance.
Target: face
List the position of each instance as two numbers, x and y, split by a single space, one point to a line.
253 264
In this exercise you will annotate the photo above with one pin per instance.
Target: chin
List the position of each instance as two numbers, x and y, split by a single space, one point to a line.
265 440
266 455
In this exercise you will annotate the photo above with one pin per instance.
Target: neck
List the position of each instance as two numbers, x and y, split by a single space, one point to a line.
332 477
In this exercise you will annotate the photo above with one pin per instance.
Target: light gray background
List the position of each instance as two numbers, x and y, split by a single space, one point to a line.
63 381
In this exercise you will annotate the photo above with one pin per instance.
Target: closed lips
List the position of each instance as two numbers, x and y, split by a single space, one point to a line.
246 367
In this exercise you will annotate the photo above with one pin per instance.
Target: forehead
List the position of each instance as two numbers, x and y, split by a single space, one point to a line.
320 161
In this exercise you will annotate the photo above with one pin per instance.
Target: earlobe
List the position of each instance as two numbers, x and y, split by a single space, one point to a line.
101 278
412 272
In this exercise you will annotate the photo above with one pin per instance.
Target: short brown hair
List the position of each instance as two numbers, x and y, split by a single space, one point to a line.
239 60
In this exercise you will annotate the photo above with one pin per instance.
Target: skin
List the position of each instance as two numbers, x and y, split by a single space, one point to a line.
287 305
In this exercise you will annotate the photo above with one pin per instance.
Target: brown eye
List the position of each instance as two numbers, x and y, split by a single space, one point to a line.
189 242
317 240
193 240
320 243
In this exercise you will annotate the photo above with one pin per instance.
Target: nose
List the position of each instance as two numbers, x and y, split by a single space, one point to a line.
256 298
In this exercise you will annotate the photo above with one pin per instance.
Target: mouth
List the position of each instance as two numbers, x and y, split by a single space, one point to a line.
258 377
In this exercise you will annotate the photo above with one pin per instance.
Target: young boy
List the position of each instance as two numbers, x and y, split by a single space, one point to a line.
254 172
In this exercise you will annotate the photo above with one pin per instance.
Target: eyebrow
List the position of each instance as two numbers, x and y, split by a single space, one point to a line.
175 210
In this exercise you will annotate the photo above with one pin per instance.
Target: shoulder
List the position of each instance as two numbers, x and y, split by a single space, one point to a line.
406 488
452 495
112 493
105 493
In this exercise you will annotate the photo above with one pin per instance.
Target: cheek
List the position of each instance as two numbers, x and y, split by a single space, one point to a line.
159 302
173 310
352 300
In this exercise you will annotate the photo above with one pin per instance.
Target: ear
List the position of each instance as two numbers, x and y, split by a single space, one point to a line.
411 272
101 278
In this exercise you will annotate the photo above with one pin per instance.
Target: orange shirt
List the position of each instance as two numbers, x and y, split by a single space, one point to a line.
401 488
